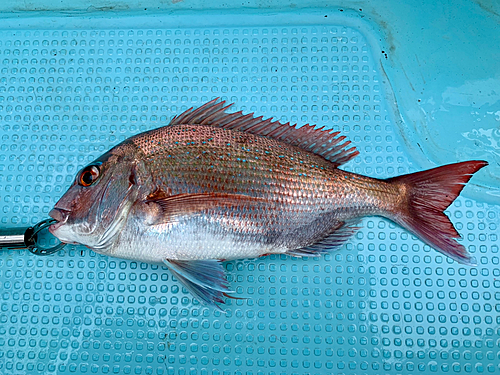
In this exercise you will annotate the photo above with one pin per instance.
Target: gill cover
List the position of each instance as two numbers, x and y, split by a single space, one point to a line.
94 209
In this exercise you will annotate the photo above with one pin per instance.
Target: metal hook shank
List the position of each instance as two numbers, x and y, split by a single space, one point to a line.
22 238
31 237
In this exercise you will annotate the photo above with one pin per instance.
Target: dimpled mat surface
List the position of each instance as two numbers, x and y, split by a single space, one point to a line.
383 304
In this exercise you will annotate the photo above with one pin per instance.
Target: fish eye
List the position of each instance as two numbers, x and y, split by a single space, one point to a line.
89 175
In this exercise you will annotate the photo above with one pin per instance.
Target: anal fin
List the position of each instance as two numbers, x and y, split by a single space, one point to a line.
337 237
205 279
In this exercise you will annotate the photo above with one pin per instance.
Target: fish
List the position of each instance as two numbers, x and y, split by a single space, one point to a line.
213 186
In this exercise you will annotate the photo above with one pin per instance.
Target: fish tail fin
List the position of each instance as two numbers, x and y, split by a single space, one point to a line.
427 195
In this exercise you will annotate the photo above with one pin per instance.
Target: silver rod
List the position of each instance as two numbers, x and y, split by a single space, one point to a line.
13 238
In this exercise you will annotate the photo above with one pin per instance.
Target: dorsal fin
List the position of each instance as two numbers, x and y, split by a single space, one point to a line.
321 142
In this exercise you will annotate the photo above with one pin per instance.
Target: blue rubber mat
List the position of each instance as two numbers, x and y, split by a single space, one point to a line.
383 304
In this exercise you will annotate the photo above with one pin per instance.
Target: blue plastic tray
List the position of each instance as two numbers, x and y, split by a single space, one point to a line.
384 303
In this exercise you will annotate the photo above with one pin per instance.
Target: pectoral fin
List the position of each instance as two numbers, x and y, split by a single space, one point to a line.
205 279
174 206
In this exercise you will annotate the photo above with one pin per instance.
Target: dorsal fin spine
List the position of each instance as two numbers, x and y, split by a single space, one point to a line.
238 123
211 112
279 131
317 140
180 118
260 127
208 119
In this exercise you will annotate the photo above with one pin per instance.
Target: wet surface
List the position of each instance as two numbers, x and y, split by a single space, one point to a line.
383 303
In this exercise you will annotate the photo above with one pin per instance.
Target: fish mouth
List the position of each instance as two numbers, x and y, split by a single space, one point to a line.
61 216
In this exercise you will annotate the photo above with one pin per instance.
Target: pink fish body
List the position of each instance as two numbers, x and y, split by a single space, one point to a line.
212 186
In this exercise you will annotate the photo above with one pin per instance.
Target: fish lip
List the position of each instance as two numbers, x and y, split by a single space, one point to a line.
61 216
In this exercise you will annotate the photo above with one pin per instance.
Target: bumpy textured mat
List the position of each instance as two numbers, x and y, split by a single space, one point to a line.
383 304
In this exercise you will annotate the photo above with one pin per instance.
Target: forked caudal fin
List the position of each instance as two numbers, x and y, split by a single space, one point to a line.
428 194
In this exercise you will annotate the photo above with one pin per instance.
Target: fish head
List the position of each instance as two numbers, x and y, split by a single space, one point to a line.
94 209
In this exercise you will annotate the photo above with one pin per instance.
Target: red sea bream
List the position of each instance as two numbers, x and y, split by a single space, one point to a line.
213 186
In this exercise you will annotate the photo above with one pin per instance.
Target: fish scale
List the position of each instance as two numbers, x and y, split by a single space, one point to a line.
213 186
253 168
301 187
